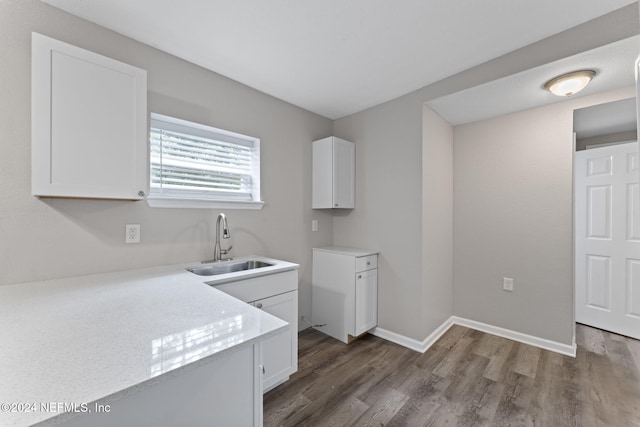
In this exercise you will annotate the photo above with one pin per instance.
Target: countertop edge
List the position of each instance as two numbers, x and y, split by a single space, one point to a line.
345 250
113 398
176 271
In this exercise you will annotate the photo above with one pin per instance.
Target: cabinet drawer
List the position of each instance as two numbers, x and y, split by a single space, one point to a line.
255 288
366 263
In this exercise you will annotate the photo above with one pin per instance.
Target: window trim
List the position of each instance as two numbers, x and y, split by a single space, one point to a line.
181 202
200 130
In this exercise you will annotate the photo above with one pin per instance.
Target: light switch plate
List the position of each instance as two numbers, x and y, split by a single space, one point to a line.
507 284
314 225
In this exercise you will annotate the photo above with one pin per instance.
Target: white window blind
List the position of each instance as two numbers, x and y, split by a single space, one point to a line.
193 161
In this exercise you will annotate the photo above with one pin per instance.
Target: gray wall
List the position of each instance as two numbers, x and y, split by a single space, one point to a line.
51 238
513 217
404 209
437 220
610 138
394 206
402 150
388 213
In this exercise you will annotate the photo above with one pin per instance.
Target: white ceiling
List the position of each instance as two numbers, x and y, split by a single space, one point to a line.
614 64
337 57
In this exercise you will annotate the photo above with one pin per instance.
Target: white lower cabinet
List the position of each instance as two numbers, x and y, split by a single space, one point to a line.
280 353
344 291
225 391
277 294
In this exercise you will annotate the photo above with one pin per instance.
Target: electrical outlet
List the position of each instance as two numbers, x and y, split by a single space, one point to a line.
314 225
132 233
507 284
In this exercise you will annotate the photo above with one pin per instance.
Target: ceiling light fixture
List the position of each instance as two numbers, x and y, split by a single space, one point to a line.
570 83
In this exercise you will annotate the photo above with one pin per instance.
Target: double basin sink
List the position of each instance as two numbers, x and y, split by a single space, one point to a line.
225 267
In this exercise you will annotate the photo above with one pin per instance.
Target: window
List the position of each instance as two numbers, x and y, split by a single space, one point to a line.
194 165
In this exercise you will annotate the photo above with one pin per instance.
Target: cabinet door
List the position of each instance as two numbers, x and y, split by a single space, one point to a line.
322 174
89 124
366 315
343 174
280 352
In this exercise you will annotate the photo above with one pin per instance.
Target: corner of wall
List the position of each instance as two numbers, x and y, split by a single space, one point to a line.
437 220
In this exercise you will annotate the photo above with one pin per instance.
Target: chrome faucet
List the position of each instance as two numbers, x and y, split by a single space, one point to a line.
217 250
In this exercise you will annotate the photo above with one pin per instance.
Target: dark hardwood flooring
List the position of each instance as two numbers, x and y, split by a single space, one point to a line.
467 378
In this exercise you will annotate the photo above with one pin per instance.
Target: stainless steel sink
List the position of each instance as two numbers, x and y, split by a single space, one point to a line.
225 267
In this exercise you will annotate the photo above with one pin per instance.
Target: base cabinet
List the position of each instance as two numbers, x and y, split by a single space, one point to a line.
280 353
227 391
344 291
277 294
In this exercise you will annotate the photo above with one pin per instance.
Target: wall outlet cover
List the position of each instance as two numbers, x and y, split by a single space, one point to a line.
507 284
132 233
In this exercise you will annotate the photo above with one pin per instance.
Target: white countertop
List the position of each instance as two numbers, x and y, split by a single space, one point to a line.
356 252
93 338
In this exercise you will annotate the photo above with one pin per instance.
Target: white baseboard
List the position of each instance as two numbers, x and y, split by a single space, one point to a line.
411 343
566 349
422 346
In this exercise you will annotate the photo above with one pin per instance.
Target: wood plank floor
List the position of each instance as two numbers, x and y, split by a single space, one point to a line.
467 378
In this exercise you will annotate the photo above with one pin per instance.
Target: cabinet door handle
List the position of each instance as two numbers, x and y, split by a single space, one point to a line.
259 305
359 276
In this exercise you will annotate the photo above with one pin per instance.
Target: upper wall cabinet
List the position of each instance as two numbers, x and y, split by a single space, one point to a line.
333 174
88 124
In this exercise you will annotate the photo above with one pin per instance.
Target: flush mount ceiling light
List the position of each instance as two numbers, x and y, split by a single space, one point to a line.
570 83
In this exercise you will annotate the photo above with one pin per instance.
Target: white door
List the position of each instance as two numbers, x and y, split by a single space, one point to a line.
607 233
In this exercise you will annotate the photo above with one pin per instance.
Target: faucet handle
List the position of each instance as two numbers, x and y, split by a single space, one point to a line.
226 251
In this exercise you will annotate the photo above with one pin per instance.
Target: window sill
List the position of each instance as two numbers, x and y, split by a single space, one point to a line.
174 202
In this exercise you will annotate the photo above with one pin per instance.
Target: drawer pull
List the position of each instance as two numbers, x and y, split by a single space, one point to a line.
259 305
368 262
359 276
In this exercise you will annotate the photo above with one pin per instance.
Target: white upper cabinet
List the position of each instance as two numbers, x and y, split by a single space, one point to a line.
333 181
88 124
